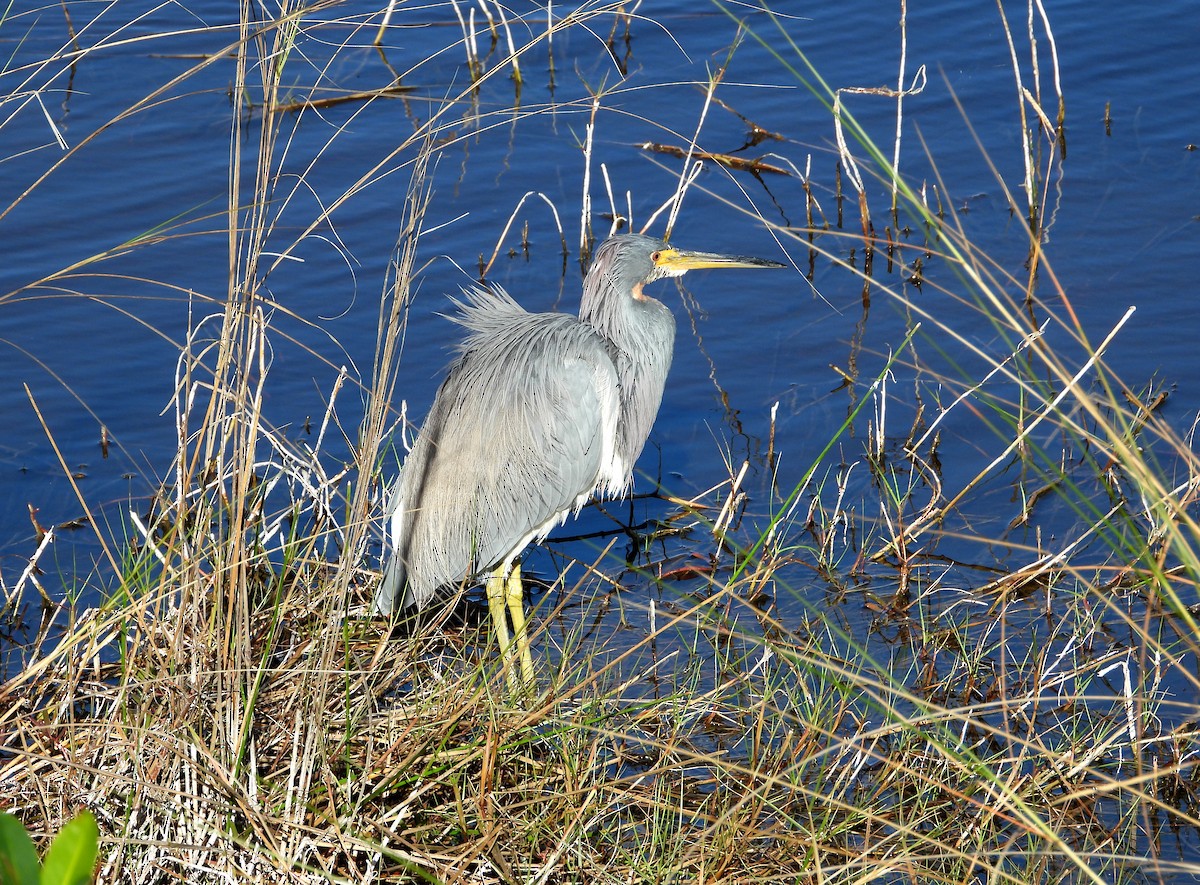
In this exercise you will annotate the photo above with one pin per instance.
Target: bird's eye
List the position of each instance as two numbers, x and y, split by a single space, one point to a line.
654 256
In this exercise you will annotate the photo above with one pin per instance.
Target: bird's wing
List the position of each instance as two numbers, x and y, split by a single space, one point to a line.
520 433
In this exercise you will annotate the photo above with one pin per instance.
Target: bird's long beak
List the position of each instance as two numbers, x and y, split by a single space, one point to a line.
678 261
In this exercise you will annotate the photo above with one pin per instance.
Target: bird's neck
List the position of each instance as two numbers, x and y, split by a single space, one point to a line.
640 333
623 319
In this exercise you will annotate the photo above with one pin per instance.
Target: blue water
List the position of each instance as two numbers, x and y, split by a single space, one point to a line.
97 345
94 343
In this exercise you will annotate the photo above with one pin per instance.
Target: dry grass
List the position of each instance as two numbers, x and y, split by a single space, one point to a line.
229 715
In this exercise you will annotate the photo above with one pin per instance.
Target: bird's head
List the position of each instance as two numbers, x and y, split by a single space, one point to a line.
625 263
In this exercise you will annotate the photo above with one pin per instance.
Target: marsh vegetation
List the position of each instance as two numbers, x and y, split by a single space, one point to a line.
933 619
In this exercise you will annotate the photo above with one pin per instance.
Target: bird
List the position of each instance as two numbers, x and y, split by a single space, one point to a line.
538 414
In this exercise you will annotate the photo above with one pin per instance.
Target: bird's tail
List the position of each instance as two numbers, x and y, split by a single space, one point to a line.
391 594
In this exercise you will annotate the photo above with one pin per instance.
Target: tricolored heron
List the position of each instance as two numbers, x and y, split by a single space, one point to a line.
539 413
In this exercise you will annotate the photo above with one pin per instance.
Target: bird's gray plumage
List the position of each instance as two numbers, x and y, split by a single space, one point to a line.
539 412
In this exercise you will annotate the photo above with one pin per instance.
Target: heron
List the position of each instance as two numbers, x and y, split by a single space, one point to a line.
538 414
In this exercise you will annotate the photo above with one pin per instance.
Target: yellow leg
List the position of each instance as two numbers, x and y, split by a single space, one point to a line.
495 597
515 596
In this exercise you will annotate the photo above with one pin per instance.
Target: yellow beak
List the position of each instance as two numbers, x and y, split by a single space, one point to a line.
679 260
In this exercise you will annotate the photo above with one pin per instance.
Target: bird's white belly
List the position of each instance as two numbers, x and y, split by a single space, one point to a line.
614 475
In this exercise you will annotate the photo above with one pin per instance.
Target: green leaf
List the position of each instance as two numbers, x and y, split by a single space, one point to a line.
18 857
72 858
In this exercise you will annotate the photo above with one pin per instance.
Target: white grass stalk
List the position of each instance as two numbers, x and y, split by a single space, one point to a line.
512 49
899 104
731 501
387 20
612 202
512 217
468 31
473 46
1131 718
29 573
692 175
1028 340
1068 388
1026 136
686 179
487 16
585 204
1058 91
852 171
881 399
